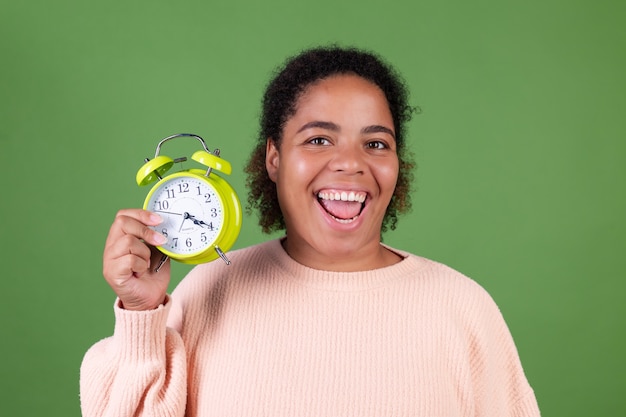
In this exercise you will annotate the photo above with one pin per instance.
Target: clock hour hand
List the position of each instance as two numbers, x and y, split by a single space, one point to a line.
200 222
196 221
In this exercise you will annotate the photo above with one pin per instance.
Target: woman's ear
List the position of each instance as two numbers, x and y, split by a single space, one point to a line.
272 159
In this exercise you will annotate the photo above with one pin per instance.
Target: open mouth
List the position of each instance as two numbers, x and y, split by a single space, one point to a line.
343 206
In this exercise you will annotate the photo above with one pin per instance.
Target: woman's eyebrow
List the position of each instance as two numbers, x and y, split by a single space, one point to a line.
335 127
378 129
320 124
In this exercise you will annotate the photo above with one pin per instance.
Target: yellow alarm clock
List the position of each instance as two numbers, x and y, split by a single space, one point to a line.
200 210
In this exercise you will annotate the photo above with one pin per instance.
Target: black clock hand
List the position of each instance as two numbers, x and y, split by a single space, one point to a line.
200 223
196 221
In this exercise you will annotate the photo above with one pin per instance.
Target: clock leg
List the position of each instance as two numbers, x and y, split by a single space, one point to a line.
222 255
161 262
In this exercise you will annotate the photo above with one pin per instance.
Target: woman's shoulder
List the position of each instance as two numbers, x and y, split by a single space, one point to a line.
434 275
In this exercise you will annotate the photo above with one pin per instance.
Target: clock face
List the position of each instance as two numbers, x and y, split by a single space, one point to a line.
192 212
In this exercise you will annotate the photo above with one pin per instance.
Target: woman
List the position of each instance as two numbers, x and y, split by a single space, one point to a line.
326 321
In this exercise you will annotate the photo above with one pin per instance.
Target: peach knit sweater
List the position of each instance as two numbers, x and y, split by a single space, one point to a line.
267 336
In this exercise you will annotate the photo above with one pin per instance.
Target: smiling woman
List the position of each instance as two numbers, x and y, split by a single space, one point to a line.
327 320
339 142
279 104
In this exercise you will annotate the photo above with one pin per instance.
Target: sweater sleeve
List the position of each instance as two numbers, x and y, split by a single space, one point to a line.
501 385
139 371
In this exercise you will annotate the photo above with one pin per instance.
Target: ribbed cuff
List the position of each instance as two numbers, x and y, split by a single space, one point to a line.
140 335
527 406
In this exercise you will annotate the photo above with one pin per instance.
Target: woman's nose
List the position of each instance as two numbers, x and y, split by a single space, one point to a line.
347 159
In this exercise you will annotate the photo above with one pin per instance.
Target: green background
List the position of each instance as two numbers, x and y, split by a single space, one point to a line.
520 146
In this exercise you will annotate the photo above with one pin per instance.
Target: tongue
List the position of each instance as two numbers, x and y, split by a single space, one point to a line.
342 209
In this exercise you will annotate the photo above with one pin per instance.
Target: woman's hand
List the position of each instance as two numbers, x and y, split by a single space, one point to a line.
130 258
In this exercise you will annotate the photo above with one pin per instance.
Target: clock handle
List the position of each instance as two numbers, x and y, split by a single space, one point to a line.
178 135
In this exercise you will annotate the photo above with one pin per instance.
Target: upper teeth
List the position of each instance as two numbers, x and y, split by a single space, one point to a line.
343 196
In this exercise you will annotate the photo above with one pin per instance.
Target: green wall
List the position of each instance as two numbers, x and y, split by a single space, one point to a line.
520 144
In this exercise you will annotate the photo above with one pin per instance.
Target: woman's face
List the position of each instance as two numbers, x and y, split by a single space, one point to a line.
335 174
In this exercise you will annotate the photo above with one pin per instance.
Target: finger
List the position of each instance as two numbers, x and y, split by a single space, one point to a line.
126 257
143 216
127 245
119 271
135 224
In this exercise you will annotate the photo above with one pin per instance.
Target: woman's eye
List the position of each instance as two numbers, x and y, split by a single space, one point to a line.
318 141
377 144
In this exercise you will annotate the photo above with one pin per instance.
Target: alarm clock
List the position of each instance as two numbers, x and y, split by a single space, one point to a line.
201 212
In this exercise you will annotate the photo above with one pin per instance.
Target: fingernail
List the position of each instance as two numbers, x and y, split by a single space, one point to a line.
159 239
155 218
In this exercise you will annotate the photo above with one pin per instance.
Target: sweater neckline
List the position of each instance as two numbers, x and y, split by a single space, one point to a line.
340 281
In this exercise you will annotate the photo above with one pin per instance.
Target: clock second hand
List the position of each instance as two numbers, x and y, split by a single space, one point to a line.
167 212
185 217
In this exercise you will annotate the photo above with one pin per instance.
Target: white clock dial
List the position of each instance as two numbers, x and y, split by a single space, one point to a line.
192 212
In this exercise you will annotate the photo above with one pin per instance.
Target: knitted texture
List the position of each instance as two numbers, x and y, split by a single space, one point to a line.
267 336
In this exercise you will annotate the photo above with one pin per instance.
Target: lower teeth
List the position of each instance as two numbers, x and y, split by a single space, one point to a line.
344 221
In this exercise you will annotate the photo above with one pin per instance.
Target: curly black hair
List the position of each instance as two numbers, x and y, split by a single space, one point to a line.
279 104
